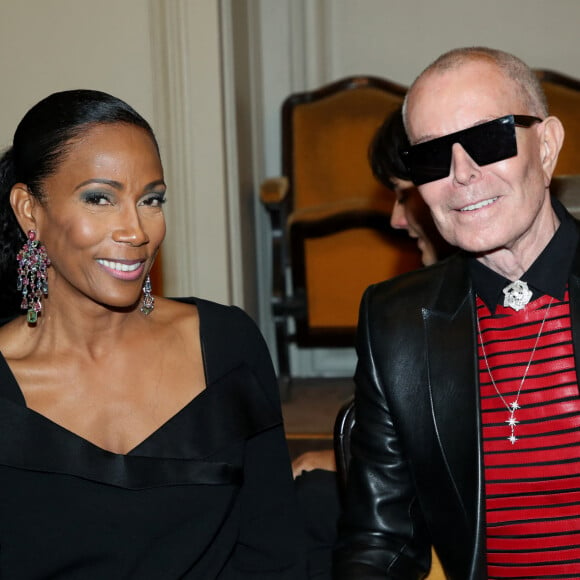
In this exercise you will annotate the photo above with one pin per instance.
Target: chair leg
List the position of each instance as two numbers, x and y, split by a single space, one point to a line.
283 351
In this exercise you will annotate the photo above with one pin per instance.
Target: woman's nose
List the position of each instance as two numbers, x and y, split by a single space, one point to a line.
398 217
130 230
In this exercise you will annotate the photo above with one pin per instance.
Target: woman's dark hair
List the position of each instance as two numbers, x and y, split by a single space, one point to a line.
384 150
41 142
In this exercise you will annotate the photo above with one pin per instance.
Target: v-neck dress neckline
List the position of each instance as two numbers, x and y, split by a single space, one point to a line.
171 507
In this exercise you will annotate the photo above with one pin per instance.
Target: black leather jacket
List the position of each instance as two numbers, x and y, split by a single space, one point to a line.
416 474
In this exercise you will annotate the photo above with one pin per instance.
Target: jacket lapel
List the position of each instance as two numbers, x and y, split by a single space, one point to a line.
453 384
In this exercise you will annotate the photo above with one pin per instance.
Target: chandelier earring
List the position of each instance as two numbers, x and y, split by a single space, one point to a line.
32 282
148 300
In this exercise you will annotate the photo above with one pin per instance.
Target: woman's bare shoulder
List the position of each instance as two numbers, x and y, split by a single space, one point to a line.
168 311
14 338
176 318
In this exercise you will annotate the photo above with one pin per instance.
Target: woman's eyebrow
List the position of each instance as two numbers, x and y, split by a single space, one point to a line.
117 184
110 182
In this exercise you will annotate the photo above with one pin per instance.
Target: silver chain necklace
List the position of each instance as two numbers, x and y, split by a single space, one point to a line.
514 405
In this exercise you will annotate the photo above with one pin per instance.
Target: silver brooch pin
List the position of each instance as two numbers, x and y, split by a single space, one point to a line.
516 295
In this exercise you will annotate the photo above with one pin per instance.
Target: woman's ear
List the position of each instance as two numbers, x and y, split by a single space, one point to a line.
23 204
552 138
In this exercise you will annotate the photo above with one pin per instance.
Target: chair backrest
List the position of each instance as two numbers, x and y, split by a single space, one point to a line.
563 94
326 134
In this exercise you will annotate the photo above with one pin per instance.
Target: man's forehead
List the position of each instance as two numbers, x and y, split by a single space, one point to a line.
452 99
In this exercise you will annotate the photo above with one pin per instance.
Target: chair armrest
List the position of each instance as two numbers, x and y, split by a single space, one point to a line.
273 191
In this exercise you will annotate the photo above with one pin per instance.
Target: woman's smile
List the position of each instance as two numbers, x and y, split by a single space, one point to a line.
123 270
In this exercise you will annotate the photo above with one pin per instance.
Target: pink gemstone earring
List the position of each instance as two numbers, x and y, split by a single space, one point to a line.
33 262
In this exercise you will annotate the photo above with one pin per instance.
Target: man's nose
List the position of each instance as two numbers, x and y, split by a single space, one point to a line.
464 169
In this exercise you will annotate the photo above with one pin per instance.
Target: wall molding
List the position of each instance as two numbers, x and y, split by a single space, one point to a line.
186 60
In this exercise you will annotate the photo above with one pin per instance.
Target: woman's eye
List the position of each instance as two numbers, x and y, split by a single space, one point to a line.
96 198
156 200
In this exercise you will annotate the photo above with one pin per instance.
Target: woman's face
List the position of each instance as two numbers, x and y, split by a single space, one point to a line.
411 213
101 219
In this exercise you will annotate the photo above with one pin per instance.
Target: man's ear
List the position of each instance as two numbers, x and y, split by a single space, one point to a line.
24 204
552 138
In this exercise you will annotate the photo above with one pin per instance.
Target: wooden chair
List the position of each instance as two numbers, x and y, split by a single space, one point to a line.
563 94
331 236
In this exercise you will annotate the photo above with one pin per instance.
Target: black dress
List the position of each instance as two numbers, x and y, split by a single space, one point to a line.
208 495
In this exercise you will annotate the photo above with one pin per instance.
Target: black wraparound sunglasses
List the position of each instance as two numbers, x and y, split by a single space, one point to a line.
486 143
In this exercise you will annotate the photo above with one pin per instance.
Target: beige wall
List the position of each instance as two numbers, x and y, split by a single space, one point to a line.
398 38
51 45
